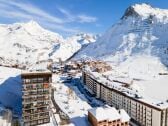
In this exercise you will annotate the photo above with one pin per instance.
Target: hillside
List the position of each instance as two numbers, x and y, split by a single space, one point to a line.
137 44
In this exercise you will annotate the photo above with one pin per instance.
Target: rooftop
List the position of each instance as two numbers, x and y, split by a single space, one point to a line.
124 116
111 114
36 73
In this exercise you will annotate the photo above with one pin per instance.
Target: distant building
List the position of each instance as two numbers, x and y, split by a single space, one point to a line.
5 117
143 113
36 98
108 116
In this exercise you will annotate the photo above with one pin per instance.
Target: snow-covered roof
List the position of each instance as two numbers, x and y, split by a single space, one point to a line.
97 113
124 116
36 72
111 114
156 89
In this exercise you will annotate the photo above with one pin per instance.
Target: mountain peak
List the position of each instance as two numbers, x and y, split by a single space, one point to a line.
142 5
145 10
32 22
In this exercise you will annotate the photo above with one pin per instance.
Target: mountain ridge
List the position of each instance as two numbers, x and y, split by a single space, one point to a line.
25 44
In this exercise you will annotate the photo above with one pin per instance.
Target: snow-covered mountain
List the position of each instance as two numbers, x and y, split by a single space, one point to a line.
137 42
73 45
25 44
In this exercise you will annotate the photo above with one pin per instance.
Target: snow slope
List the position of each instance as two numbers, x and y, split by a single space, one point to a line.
140 35
72 45
25 44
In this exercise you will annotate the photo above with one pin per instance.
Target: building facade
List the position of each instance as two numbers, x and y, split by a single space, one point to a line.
141 113
36 97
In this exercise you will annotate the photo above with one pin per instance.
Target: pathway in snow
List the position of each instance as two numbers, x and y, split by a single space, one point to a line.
72 102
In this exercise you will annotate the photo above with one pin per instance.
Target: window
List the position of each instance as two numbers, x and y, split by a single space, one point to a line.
40 121
46 85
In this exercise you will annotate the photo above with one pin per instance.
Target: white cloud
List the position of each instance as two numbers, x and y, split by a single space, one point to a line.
29 9
17 10
77 17
88 19
67 14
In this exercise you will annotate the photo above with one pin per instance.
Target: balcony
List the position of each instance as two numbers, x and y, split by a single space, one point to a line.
28 107
35 95
37 92
36 99
28 119
36 87
33 112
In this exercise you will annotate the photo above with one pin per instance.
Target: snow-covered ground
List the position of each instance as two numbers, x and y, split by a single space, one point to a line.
72 102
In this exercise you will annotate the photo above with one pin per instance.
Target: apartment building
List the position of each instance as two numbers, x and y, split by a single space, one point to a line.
142 112
36 98
108 116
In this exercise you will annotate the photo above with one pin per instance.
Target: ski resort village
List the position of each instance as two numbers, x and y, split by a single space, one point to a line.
116 78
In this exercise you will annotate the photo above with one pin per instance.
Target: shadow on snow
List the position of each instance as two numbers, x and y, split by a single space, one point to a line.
11 94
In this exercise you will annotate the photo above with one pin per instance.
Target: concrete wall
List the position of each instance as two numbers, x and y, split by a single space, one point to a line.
156 118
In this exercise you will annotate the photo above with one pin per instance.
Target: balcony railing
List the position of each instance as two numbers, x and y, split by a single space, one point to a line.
36 118
33 107
35 95
33 112
36 86
35 90
30 81
27 101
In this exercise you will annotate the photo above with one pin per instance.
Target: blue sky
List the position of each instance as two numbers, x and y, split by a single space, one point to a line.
69 17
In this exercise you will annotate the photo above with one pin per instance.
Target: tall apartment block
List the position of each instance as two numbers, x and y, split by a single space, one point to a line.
36 98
